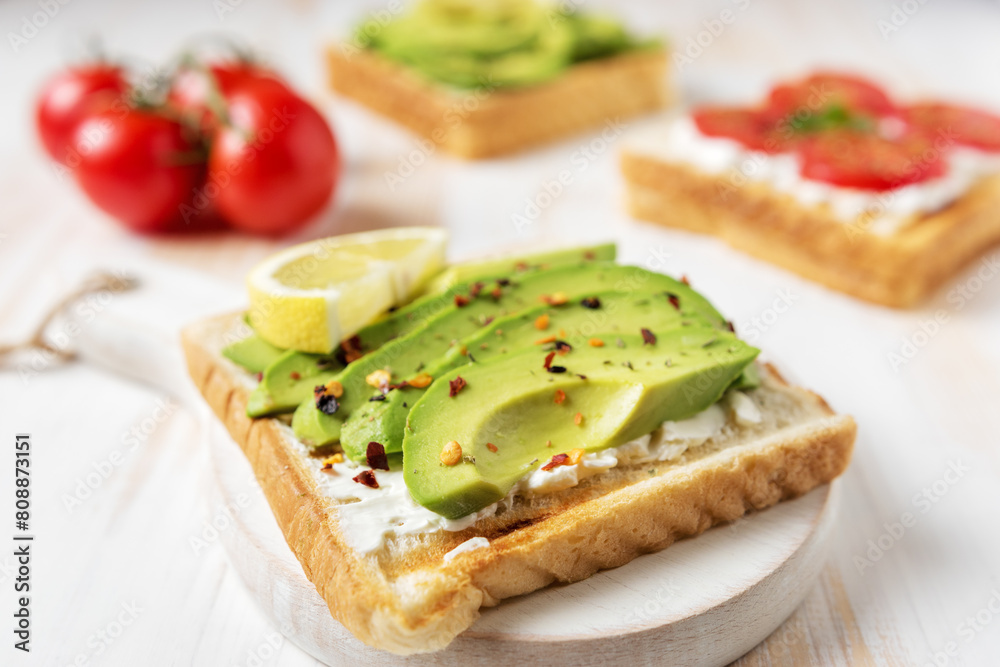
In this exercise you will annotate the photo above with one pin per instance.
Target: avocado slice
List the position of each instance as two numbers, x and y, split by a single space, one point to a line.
289 380
490 269
575 323
403 356
508 402
252 353
266 401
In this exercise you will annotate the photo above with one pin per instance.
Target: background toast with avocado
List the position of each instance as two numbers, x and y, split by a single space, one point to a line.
487 79
410 591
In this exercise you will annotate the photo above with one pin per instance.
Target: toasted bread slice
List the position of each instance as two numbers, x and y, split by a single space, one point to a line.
487 123
898 269
406 597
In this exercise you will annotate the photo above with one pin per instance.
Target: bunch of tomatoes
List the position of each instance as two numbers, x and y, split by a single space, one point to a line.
847 131
205 144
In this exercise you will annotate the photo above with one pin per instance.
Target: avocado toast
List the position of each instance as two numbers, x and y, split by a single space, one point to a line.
604 421
481 79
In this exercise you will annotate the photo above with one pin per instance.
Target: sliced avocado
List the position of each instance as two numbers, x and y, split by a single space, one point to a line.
252 353
575 323
490 269
508 404
289 380
596 36
404 356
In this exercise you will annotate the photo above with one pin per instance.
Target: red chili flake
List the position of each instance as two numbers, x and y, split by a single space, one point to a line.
648 337
258 376
377 460
729 325
367 478
351 350
684 279
548 360
521 266
560 397
490 446
675 300
295 375
461 301
562 347
402 385
496 293
589 255
456 385
475 289
557 460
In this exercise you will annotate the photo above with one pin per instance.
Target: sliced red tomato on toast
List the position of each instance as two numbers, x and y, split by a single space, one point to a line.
825 89
963 125
751 127
870 162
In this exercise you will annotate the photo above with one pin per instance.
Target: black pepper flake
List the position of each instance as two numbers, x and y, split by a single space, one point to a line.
563 346
472 359
376 398
548 360
729 325
591 302
674 300
503 282
556 369
366 478
456 385
327 403
375 455
405 405
648 337
581 376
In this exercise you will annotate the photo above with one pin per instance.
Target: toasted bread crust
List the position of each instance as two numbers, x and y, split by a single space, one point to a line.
488 123
410 600
897 270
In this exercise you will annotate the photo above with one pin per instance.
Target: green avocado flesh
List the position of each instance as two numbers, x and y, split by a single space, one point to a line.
289 380
508 402
613 313
504 43
252 353
490 269
410 353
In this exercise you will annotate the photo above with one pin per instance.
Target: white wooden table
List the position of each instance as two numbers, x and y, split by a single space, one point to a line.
126 568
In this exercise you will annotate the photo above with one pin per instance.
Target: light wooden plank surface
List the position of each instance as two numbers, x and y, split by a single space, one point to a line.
129 542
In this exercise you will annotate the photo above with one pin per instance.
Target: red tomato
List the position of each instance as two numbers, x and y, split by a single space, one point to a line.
190 91
139 166
752 128
963 125
825 89
276 164
68 98
870 162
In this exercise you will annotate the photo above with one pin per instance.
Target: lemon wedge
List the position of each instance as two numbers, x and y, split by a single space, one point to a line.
310 297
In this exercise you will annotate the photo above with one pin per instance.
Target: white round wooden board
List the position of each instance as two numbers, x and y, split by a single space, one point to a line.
703 601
